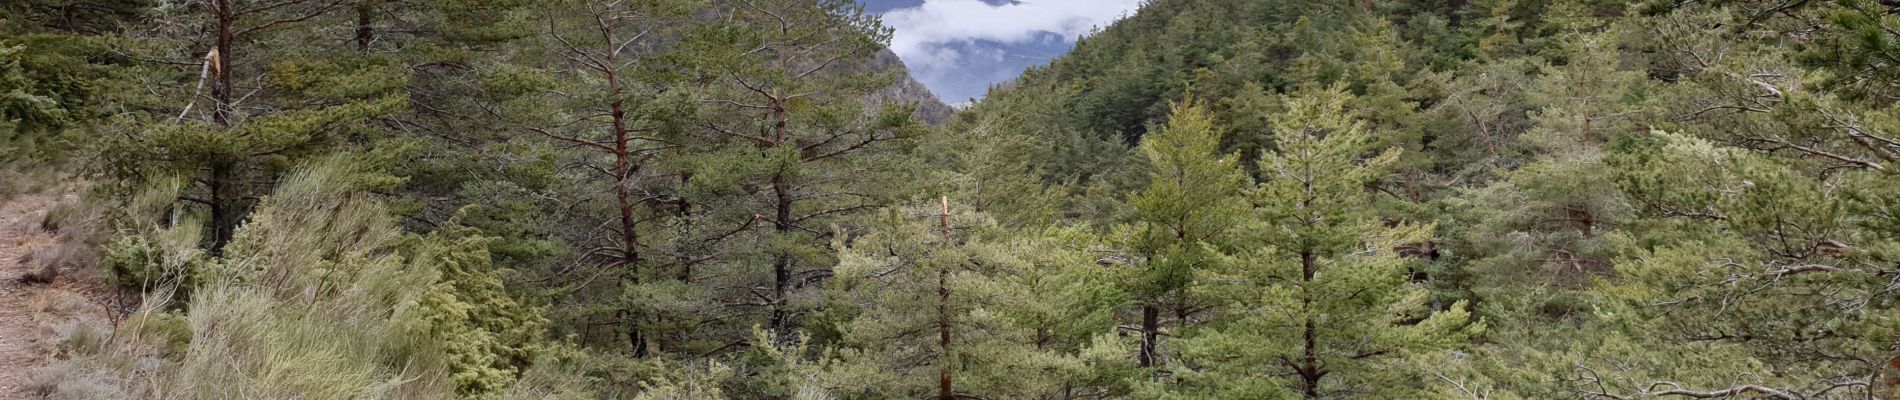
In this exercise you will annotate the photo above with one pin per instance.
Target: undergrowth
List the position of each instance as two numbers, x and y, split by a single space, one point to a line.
320 296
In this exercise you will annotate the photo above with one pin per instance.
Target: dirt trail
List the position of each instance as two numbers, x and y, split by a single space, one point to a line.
26 334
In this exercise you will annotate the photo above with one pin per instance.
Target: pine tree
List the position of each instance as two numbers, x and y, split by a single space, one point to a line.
28 116
1022 294
616 118
991 162
950 304
1552 216
253 107
787 145
57 70
1181 221
902 283
1749 265
1651 199
1322 303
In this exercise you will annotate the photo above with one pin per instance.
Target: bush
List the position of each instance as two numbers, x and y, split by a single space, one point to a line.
489 337
146 263
317 297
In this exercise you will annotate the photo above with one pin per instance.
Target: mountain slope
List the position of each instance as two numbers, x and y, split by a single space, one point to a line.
1623 191
907 90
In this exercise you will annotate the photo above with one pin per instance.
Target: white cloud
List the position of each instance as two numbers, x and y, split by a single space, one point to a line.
920 29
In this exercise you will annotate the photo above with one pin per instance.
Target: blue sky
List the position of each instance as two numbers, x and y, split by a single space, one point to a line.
959 48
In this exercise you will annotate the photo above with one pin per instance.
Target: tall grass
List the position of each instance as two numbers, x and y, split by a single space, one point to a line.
314 299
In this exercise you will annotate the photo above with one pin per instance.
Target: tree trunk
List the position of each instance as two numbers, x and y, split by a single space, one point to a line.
1310 369
623 178
685 213
782 266
630 251
365 33
224 207
629 235
782 193
944 390
1150 332
221 65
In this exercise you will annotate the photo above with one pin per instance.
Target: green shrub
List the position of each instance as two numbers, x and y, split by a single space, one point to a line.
321 296
147 263
488 336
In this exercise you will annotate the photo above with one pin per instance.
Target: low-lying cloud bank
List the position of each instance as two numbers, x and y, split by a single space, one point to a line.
960 47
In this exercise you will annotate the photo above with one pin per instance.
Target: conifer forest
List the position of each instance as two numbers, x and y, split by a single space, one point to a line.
753 199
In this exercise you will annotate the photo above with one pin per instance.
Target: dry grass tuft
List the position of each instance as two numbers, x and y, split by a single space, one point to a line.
316 298
311 301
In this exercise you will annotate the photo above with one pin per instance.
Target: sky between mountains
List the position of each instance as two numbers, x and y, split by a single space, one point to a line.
959 48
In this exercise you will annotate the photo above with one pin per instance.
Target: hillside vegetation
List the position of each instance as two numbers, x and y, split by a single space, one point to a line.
1209 199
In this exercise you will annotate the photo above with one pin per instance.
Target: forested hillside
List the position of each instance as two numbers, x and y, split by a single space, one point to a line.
749 199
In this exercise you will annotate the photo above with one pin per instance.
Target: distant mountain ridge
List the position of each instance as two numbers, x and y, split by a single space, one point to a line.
906 90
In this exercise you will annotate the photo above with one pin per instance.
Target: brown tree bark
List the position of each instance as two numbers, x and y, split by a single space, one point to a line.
224 207
782 265
1150 332
623 177
782 218
684 210
944 386
1310 368
365 33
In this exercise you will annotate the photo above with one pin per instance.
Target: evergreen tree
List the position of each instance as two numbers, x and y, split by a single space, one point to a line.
911 308
1022 295
992 164
950 305
708 199
1322 303
787 147
935 293
1550 216
57 71
251 106
619 117
1181 221
27 116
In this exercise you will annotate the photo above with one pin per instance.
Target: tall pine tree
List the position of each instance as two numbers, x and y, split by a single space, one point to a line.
1181 221
1322 303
